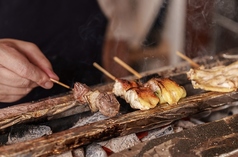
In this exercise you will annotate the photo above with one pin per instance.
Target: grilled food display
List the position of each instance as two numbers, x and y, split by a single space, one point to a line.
219 79
104 102
121 86
79 91
147 95
141 98
137 96
166 90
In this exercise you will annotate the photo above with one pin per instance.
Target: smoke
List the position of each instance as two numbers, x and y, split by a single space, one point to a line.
226 8
211 27
225 19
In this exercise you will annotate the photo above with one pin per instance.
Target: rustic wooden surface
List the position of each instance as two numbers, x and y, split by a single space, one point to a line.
125 124
33 110
211 139
52 106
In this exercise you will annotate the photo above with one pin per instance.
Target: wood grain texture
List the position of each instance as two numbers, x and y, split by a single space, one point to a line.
123 124
218 138
35 110
133 122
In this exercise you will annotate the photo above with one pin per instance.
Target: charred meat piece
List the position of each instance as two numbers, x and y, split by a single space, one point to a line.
141 98
79 91
95 99
167 90
107 104
219 79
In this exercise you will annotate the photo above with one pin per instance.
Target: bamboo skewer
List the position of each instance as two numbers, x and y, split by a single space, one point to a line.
60 83
126 66
104 71
191 62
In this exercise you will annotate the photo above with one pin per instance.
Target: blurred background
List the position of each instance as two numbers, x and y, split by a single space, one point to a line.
147 34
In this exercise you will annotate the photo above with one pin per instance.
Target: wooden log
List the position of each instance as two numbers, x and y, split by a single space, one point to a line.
58 104
125 124
217 138
35 110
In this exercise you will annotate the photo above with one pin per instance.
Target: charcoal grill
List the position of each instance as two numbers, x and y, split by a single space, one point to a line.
61 113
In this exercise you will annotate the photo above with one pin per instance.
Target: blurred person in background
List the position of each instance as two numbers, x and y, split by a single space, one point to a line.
43 39
61 39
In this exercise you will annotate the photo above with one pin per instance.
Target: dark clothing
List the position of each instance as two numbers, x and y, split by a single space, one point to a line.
70 34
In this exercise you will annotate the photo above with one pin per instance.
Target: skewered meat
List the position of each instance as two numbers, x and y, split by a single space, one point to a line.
137 96
91 98
79 91
141 98
148 95
107 104
166 89
104 102
121 86
219 79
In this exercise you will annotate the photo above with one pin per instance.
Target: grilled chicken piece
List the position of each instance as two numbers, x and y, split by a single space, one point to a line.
141 98
121 86
219 79
167 90
138 97
106 103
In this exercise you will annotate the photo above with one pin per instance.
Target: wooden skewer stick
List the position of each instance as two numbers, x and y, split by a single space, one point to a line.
126 66
104 71
60 83
191 62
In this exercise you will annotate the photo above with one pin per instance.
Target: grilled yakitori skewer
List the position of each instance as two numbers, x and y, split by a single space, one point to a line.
164 88
138 97
218 79
167 90
106 103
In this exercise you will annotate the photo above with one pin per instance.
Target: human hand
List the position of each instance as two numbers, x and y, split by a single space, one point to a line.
22 68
